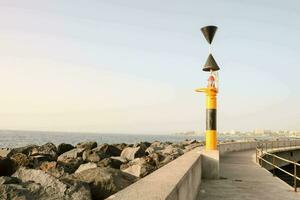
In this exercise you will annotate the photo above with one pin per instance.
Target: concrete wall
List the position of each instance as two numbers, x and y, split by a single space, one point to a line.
178 180
181 178
236 146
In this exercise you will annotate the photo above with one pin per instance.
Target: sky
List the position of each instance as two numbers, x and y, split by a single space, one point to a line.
132 66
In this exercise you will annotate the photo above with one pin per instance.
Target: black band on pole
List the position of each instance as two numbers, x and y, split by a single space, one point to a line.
211 119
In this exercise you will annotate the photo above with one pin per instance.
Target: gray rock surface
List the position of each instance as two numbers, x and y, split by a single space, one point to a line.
86 166
130 153
139 167
104 181
74 153
87 145
63 147
48 149
110 162
53 187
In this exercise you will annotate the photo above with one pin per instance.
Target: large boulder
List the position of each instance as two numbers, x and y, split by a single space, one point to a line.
25 150
130 153
52 168
158 144
109 150
157 159
70 165
86 166
19 192
7 166
143 145
120 146
171 150
110 162
20 159
36 161
71 160
48 149
5 152
9 180
72 154
53 187
87 145
93 156
154 149
100 152
104 181
139 167
63 147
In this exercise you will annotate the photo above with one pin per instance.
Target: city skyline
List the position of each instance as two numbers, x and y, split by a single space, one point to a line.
115 67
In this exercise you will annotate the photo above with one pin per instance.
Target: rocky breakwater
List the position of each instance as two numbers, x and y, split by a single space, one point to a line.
82 172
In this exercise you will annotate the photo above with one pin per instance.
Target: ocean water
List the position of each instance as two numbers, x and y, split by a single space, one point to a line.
21 138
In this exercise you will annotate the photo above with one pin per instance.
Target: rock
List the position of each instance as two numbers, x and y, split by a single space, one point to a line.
46 166
36 161
7 166
157 144
93 156
15 192
38 176
131 153
100 152
52 168
48 149
144 145
110 162
120 146
55 188
139 167
105 181
172 150
123 160
153 149
109 150
71 160
86 166
63 147
87 145
9 180
25 150
157 159
5 152
70 165
77 190
20 159
74 153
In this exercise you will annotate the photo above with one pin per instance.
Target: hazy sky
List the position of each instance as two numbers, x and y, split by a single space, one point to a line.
132 66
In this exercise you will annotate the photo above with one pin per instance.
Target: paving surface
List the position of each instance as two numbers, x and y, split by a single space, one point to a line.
242 179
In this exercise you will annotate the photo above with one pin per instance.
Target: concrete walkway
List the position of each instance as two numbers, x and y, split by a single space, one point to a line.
242 179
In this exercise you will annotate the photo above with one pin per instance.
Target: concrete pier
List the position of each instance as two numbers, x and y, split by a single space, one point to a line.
242 178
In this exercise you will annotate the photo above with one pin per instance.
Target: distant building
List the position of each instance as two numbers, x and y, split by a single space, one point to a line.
262 132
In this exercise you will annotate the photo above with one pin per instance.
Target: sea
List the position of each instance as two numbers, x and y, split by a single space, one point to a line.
12 139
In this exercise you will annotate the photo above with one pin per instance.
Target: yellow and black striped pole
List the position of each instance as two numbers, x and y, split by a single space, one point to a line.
211 92
211 117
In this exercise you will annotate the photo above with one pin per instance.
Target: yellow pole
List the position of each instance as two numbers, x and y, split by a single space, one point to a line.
211 117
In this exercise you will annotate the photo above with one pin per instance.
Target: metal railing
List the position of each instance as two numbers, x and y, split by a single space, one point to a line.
262 151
